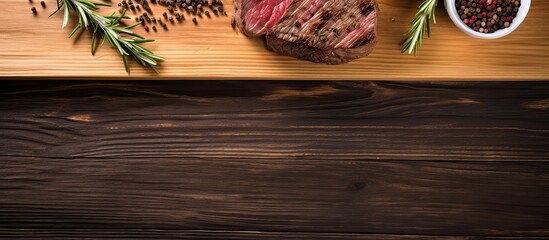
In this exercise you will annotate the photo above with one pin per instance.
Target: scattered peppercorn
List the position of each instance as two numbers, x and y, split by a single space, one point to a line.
193 7
33 9
43 4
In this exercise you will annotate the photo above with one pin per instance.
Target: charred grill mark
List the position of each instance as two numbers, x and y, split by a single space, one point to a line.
320 25
324 18
364 41
336 32
366 9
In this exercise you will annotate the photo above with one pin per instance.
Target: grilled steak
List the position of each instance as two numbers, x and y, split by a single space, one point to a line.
325 31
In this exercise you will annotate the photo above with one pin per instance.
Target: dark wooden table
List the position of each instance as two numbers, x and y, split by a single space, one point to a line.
269 160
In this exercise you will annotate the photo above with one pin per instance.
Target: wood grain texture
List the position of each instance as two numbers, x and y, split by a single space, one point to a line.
274 160
36 47
365 120
389 197
205 234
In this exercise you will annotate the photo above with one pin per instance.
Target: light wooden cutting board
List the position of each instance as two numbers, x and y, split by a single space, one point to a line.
36 47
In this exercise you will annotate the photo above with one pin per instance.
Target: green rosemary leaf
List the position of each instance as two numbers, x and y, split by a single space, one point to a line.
117 19
428 26
83 17
101 4
74 30
134 25
103 41
137 40
66 17
56 10
125 64
93 43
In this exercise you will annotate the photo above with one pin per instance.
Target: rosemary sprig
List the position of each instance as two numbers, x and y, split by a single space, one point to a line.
107 28
420 25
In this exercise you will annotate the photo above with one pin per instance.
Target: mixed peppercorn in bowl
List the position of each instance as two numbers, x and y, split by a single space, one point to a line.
487 19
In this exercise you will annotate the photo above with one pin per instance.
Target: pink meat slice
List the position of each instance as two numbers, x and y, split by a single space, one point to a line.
261 15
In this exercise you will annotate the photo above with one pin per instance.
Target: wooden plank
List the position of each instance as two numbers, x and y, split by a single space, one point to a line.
291 159
346 196
273 120
36 47
201 234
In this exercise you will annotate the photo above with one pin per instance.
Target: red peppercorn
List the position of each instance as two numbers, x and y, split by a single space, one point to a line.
483 14
509 19
473 18
146 28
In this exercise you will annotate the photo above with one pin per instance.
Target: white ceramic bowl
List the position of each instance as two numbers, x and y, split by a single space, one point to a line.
521 15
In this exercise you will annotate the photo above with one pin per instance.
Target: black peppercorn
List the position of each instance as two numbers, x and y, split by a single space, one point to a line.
33 9
43 4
